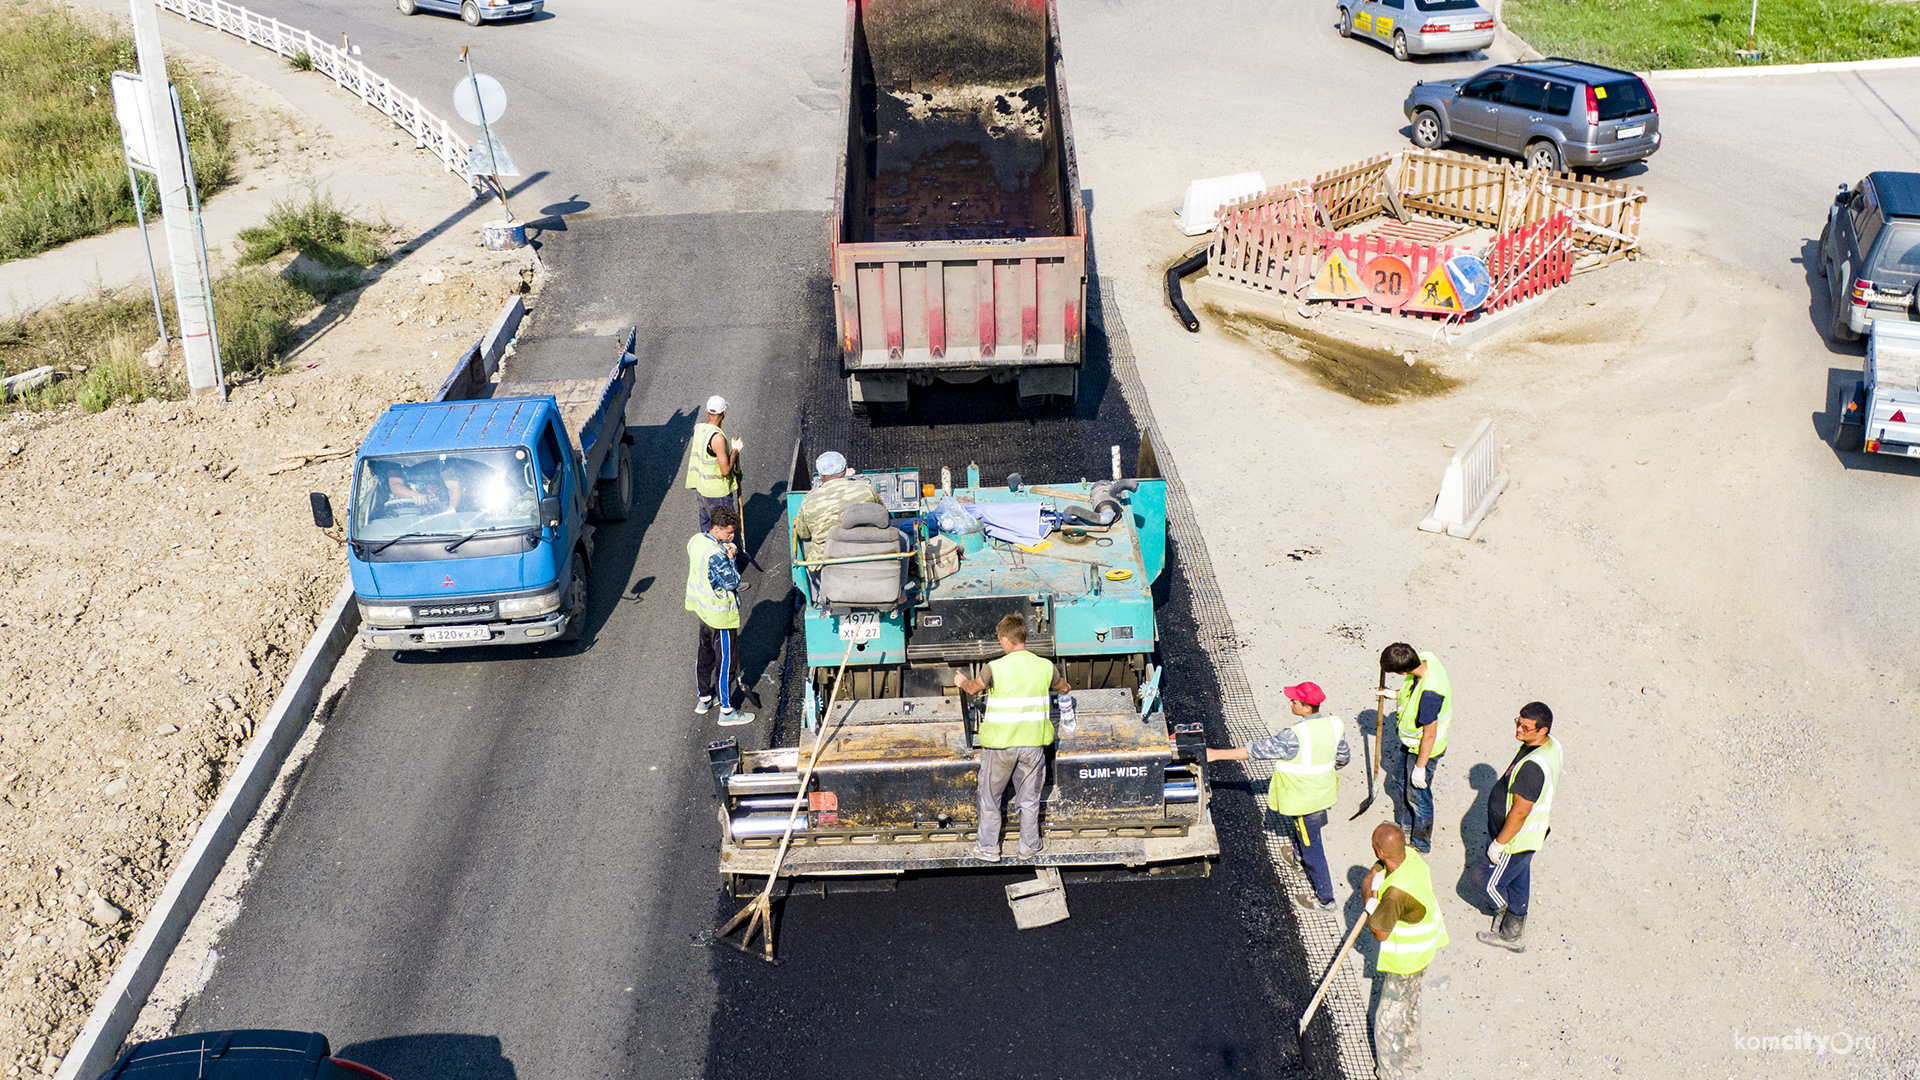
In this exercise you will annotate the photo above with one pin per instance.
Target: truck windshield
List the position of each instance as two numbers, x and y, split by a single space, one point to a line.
1896 258
450 494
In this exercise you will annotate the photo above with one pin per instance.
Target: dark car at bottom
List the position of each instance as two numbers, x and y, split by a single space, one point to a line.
238 1055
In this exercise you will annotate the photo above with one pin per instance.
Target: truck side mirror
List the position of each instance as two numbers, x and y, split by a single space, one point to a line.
322 509
550 511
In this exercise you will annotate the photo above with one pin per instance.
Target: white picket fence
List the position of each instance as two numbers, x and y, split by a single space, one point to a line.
429 131
1474 479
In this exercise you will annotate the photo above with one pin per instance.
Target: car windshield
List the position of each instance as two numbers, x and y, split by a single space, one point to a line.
1628 97
451 494
1896 257
1446 5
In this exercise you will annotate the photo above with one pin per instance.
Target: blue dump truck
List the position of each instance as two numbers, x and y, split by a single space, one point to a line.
902 603
472 514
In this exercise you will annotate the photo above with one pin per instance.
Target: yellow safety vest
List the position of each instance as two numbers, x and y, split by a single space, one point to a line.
1019 708
1412 946
1534 831
1408 705
717 608
703 469
1307 785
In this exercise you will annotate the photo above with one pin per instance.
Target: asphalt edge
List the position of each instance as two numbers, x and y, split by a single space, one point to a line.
97 1046
1889 63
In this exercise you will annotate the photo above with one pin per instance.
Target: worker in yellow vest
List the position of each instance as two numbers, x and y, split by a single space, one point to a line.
1423 709
713 593
1015 730
1519 813
1405 917
713 461
1303 787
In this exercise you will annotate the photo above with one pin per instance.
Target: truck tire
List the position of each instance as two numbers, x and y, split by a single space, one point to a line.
577 599
614 498
470 13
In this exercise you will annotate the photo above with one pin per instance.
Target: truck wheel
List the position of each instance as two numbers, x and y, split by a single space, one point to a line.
615 496
576 600
1427 133
470 13
1400 45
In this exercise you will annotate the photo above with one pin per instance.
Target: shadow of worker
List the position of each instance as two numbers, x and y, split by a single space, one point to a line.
1472 886
433 1057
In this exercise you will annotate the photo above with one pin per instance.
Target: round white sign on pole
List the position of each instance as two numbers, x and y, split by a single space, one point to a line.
470 102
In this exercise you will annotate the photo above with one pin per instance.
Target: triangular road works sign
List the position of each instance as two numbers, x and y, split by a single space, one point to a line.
1436 293
1338 280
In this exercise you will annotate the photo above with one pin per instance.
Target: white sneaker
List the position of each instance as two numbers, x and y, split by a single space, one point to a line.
730 718
701 705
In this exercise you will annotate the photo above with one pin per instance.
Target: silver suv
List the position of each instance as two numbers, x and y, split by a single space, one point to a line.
1555 113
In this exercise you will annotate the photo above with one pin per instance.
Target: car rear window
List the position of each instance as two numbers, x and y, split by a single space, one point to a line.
1896 258
1628 97
1446 5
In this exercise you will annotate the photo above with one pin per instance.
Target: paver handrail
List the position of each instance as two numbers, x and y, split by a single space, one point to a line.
429 131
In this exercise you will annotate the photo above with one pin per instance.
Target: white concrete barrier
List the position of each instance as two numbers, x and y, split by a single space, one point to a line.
1206 197
1473 481
97 1046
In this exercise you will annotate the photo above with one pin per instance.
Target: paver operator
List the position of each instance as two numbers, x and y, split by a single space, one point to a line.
1303 787
713 461
713 593
1015 730
1518 819
1405 918
1424 708
835 487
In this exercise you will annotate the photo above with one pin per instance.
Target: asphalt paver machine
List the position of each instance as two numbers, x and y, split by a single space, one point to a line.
900 605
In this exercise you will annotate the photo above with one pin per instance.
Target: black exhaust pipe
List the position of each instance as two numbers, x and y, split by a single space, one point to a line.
1174 273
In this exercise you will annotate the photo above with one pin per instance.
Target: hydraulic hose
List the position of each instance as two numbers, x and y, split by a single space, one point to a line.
1175 272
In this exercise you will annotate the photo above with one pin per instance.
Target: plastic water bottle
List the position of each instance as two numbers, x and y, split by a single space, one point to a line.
1066 714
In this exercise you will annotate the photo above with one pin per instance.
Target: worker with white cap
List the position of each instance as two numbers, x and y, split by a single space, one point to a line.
835 487
713 462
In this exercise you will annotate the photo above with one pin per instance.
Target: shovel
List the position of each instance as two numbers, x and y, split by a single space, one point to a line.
1366 745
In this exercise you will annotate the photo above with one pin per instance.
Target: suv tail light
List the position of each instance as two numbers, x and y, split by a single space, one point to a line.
1862 292
1435 28
1593 109
1651 103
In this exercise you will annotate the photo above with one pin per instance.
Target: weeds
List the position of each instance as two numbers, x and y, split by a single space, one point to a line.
317 228
301 61
62 176
1646 35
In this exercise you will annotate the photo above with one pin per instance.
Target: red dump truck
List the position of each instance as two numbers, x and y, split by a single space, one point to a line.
959 235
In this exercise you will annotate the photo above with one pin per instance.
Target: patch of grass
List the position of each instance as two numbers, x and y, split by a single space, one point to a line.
301 61
62 176
318 228
1648 35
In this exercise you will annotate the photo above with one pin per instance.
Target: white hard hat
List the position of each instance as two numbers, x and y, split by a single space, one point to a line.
716 404
831 463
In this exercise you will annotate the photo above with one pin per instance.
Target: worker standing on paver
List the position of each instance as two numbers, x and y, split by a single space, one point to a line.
1303 787
835 487
1015 730
1405 918
1424 708
713 593
1519 810
712 461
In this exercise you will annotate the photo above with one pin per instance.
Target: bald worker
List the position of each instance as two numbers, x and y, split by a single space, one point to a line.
1405 917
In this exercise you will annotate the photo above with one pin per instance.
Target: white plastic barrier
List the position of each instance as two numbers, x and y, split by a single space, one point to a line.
1206 197
429 131
1473 481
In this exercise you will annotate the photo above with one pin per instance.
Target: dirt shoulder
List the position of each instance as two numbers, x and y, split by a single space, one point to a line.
159 575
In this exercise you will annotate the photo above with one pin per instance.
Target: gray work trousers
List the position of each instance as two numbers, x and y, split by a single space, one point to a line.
1396 1024
1027 767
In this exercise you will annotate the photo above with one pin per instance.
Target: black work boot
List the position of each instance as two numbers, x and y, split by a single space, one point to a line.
1507 937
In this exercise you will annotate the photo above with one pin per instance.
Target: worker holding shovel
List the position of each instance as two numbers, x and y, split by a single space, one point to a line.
1303 787
712 461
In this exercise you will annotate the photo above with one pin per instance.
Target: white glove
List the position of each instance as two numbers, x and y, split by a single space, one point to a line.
1418 777
736 446
1388 694
1373 903
1495 849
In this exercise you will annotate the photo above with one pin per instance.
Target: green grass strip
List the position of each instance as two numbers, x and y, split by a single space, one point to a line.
1649 35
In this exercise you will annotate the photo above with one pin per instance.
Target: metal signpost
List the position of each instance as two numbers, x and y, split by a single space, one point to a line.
480 99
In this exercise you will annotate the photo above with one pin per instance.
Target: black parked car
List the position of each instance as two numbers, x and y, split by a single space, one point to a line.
1870 253
238 1055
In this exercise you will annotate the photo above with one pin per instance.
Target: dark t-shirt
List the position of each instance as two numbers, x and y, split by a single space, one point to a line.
1525 783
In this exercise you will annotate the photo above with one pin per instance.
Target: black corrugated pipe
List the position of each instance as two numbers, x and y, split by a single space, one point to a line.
1174 273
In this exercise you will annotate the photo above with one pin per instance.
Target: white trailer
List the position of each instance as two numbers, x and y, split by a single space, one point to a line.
1882 414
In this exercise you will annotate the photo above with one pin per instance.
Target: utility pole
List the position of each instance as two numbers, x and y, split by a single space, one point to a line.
191 296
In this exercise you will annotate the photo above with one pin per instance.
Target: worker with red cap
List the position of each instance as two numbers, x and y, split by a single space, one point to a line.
1303 787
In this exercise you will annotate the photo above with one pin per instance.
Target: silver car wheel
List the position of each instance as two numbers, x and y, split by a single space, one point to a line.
1544 155
1346 23
1426 130
407 7
1399 44
470 13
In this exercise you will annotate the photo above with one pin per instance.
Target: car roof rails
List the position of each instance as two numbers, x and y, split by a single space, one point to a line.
1591 64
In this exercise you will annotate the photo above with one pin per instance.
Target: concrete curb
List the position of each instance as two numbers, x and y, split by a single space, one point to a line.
97 1046
1891 63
